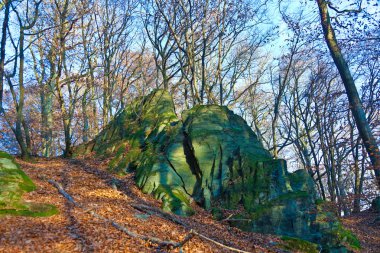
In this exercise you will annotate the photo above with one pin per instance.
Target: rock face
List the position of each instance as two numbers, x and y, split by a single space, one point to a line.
211 157
13 184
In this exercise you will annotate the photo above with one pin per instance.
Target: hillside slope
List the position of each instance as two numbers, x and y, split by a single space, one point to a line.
74 230
88 182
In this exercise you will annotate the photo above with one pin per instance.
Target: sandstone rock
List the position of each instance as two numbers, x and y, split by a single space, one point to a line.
211 156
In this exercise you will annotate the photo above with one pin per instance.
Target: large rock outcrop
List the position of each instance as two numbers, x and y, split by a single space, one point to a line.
13 184
211 156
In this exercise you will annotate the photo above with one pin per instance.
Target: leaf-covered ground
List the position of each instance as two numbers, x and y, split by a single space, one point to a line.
366 226
89 183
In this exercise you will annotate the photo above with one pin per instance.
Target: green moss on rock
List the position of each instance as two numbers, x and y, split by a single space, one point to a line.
298 245
13 184
332 235
347 238
13 181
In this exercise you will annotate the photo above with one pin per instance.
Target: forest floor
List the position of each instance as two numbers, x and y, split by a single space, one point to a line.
77 230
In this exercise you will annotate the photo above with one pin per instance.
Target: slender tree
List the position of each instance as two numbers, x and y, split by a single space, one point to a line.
351 91
7 5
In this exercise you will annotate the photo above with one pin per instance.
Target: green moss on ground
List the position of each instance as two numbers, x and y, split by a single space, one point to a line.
31 210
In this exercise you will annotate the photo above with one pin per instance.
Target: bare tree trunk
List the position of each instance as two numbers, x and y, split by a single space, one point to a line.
352 93
47 120
219 67
7 4
28 139
357 189
86 125
46 100
95 125
64 29
19 118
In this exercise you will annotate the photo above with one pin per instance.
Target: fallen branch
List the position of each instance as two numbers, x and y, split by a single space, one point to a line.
117 225
63 192
218 243
237 220
226 219
153 210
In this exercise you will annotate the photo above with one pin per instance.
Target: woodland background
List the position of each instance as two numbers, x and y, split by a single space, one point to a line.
68 67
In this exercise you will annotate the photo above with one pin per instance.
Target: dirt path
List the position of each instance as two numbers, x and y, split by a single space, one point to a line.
74 230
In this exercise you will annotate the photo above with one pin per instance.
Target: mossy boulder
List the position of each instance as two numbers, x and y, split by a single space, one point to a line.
13 184
211 156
